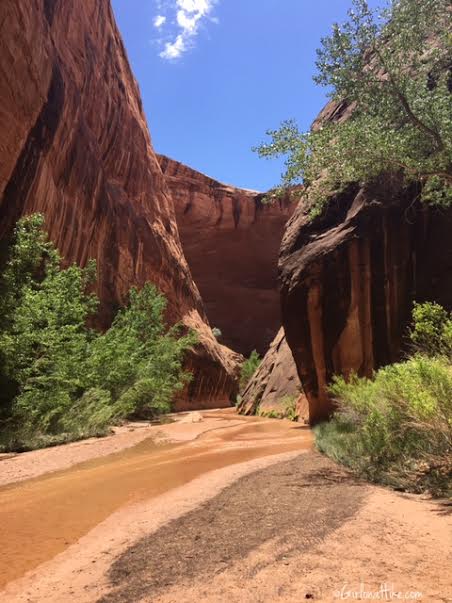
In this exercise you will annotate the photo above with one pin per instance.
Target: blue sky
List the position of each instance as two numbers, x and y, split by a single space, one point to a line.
216 74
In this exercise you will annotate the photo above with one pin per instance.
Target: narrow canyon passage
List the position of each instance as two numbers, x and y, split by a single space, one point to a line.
41 517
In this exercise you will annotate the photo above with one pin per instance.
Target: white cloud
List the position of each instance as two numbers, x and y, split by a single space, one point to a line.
173 50
159 20
185 22
188 16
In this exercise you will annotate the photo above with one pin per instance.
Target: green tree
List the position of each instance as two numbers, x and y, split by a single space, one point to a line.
393 67
138 360
61 379
43 333
249 367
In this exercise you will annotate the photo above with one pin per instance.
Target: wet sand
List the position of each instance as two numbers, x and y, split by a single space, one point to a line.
41 517
23 466
244 511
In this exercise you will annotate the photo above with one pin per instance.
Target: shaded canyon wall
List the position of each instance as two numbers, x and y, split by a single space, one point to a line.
348 281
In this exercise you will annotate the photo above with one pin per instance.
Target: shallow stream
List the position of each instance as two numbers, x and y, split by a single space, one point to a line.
41 517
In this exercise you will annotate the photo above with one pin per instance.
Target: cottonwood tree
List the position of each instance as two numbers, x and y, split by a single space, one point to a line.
393 68
61 379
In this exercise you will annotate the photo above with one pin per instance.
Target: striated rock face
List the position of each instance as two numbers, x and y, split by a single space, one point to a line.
348 281
231 240
74 145
275 384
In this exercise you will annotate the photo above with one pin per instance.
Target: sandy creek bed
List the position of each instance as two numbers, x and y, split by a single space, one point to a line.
42 516
230 508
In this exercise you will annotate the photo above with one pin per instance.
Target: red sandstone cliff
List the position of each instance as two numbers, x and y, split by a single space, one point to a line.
231 240
349 278
74 145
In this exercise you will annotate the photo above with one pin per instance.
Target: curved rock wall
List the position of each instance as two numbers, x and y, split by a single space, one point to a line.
231 240
348 281
74 145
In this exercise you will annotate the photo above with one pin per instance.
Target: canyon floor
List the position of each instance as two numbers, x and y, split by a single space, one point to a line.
213 507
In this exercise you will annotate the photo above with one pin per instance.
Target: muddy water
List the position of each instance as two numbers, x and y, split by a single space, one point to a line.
41 517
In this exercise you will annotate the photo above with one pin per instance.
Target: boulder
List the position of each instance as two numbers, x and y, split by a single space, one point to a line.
275 385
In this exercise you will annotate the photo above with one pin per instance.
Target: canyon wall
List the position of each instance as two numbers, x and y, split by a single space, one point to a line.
348 278
74 145
231 240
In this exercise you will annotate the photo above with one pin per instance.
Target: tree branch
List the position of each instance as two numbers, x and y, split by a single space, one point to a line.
406 107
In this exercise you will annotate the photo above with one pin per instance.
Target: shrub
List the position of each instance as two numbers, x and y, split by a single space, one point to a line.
288 410
249 367
61 380
432 330
90 414
137 360
396 427
269 414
